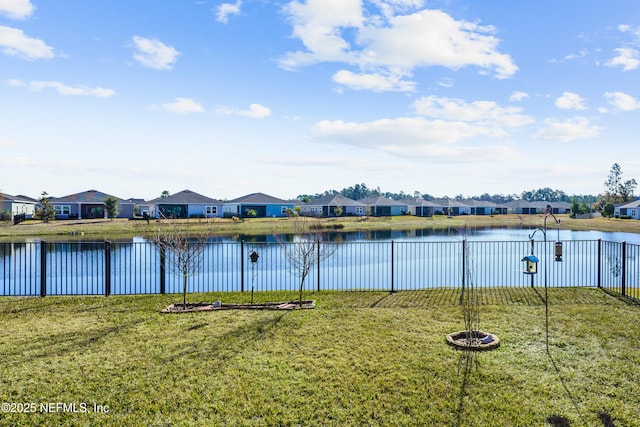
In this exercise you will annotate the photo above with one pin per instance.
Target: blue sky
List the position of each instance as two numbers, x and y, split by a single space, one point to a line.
229 98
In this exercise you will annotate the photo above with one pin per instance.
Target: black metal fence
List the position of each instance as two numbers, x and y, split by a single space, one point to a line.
105 268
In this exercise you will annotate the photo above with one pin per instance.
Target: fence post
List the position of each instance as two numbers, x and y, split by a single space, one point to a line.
107 268
392 265
318 265
163 269
242 266
599 278
624 268
43 268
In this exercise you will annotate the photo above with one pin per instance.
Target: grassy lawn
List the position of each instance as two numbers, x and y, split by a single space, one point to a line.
360 358
107 229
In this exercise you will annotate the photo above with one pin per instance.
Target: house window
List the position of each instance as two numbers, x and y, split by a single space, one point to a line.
633 213
284 209
212 210
359 210
62 209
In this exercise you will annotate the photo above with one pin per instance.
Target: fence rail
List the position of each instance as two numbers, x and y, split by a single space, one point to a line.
106 268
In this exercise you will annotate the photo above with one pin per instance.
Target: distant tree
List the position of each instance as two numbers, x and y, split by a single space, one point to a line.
292 212
614 179
616 190
608 210
45 211
112 206
584 208
165 194
545 195
575 208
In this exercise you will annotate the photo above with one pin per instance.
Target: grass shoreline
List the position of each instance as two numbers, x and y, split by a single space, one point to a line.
104 228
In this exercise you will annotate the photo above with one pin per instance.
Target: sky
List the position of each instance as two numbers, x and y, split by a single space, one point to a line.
443 97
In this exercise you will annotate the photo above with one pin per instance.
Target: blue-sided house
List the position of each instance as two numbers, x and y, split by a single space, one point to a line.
258 205
185 204
89 204
630 209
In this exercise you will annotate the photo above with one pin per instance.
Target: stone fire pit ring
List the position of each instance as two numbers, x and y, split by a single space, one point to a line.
476 340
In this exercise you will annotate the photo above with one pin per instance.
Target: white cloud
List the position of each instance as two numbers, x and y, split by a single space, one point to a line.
446 82
63 89
622 101
416 138
255 111
14 42
226 9
154 54
183 106
568 130
570 101
626 57
393 44
518 96
317 23
486 113
16 9
376 82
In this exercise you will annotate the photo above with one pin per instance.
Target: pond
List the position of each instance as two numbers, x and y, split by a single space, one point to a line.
451 234
373 260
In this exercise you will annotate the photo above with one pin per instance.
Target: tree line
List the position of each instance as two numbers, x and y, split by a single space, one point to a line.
616 191
360 191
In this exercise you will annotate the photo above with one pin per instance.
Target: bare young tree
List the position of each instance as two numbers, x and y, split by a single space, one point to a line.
307 249
181 250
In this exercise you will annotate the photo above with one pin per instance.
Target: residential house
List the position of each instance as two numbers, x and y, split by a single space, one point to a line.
520 207
556 207
452 207
484 207
262 204
630 209
421 207
185 204
326 206
382 206
87 205
10 206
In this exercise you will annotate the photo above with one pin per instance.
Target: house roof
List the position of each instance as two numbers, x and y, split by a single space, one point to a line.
381 201
628 205
259 199
515 204
334 200
89 196
420 202
450 203
480 203
18 198
184 197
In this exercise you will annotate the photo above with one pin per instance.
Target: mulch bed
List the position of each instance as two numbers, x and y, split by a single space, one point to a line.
214 306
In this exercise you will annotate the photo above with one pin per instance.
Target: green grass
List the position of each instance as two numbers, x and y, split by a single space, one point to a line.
122 228
359 358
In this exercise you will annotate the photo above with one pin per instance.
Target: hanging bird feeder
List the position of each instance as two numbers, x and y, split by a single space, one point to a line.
531 264
558 251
